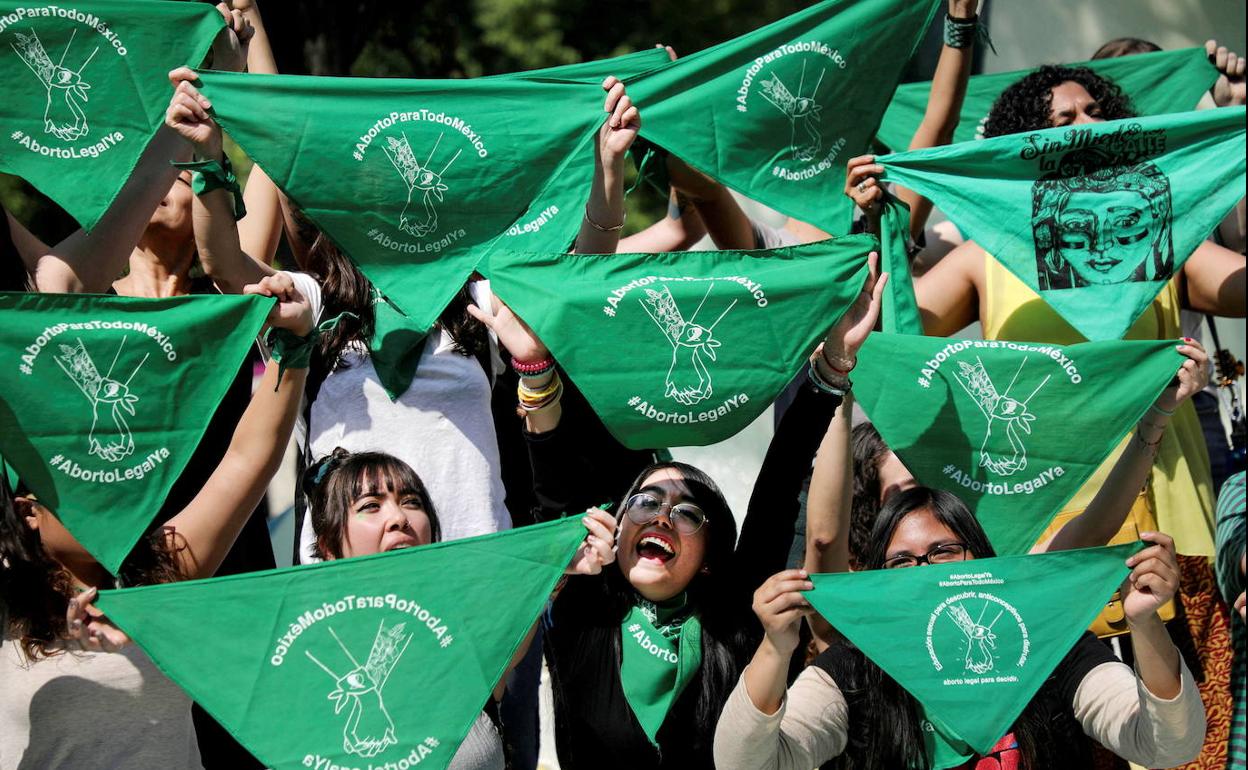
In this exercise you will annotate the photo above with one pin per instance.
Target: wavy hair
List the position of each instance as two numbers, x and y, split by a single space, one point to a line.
35 589
1027 105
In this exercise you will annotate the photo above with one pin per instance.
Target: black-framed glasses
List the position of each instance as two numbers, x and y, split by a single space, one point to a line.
941 554
643 508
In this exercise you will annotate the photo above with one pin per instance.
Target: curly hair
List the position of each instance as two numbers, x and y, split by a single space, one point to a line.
1027 104
35 589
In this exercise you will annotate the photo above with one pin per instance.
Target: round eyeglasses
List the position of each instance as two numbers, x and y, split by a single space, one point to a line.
643 508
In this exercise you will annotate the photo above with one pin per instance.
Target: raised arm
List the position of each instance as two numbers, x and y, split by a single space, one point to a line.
1104 516
210 523
944 104
604 214
725 221
830 498
260 231
216 230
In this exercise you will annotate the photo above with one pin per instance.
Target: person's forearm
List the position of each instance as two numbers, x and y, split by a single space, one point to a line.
829 501
1104 516
725 221
605 209
210 523
220 249
943 113
260 57
547 418
765 677
678 231
90 262
1156 658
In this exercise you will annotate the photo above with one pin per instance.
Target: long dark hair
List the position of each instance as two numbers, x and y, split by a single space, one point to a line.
35 589
885 726
728 632
1027 105
341 477
868 450
345 289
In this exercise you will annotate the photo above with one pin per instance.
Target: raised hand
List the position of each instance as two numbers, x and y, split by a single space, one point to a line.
293 311
598 550
840 348
229 50
1228 91
861 183
514 334
88 628
1154 578
780 606
188 115
622 124
1193 376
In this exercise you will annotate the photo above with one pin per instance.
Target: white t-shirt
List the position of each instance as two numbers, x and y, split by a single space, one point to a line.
92 710
442 427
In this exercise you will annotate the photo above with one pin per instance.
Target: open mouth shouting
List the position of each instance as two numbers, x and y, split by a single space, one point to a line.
656 547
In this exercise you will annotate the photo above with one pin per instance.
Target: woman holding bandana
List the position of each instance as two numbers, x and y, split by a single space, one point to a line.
643 657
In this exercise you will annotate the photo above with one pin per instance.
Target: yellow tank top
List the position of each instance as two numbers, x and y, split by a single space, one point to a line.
1182 487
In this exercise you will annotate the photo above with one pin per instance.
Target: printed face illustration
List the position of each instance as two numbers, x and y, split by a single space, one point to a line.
1105 237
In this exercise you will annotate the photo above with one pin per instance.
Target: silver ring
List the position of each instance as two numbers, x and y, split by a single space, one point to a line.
862 186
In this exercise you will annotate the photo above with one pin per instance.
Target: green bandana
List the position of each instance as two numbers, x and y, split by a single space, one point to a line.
554 217
1013 428
973 640
661 651
86 85
1157 83
416 179
1096 218
103 400
296 662
767 113
686 348
900 311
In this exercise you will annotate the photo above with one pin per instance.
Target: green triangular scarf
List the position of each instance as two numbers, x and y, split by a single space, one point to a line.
86 86
395 348
1013 428
377 661
660 652
775 113
686 348
1096 218
413 179
554 217
103 400
973 640
1159 82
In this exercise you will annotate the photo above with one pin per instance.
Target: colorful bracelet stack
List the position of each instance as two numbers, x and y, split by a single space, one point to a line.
532 399
839 384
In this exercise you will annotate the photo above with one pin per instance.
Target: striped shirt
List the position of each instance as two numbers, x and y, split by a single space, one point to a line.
1231 526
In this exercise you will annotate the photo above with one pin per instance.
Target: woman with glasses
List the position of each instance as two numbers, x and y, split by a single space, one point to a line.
643 656
845 708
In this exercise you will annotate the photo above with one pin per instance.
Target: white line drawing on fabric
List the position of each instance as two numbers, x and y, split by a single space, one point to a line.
112 440
803 113
688 378
981 642
63 115
368 729
999 407
419 179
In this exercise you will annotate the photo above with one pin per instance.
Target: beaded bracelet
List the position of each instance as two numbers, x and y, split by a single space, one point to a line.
532 368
